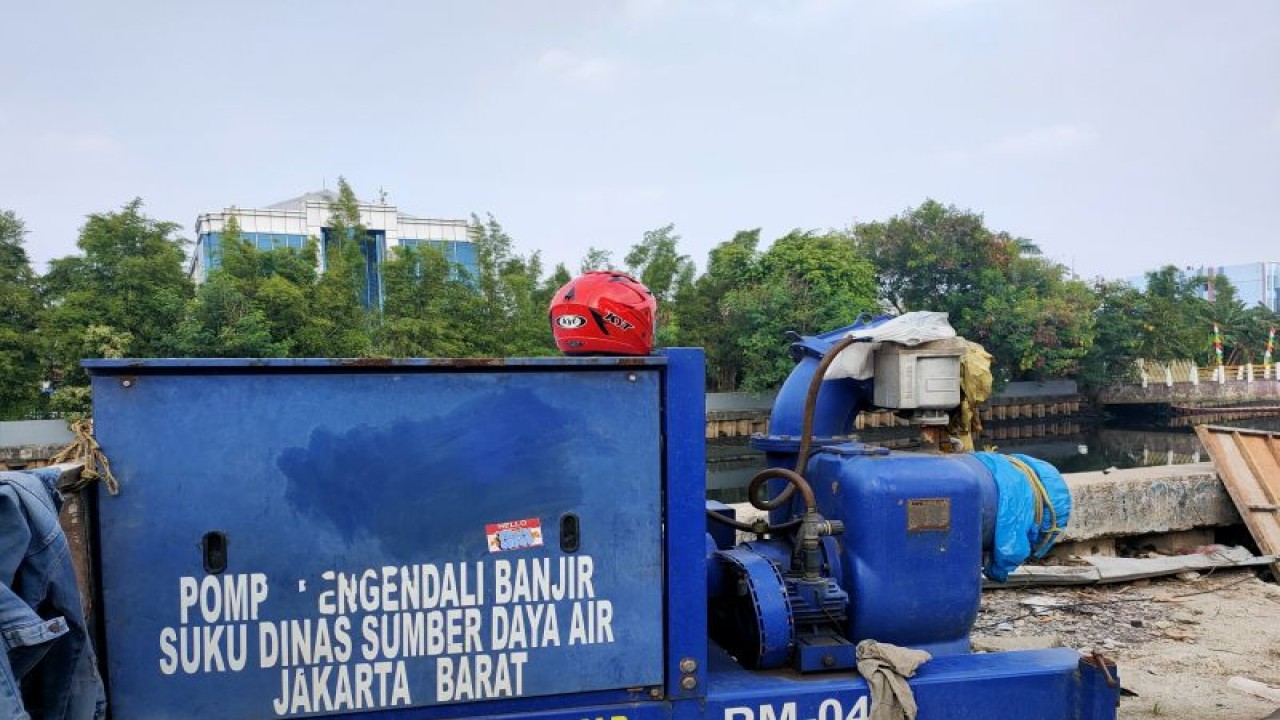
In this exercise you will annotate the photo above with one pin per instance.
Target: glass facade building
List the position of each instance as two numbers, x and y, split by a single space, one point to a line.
289 224
1255 283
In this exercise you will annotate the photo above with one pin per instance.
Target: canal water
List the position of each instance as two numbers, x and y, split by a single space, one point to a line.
1115 443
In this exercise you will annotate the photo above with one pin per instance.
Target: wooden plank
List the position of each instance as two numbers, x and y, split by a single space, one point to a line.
1262 465
1249 469
1264 452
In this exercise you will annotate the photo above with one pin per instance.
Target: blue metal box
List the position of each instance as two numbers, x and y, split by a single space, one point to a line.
313 537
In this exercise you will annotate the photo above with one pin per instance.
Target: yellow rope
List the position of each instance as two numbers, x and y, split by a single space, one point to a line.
1042 501
85 449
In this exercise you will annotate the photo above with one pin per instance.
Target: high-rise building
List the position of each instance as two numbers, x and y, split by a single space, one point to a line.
291 222
1255 283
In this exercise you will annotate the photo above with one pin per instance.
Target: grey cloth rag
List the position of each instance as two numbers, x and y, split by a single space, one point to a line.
886 668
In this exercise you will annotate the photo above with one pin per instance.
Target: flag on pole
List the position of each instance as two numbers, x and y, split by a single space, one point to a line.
1217 343
1271 344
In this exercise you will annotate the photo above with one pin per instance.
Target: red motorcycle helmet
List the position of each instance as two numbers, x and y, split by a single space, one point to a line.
603 312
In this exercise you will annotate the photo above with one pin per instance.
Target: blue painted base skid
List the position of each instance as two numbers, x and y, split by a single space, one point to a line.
1028 685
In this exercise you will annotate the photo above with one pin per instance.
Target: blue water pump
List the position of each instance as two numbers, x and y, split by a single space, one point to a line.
527 539
863 543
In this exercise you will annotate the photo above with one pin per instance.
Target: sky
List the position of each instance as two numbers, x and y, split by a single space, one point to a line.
1119 136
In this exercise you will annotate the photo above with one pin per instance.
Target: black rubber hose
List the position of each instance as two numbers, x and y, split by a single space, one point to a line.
795 478
796 482
811 400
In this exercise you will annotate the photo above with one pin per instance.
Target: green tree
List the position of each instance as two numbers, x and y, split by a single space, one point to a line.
129 282
426 306
656 261
805 282
1229 313
705 321
596 259
529 331
1120 324
277 282
558 278
247 307
223 322
996 288
341 303
511 318
1258 324
1175 324
927 254
681 306
19 308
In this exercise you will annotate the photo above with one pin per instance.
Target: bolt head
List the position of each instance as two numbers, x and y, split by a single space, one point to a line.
688 665
688 682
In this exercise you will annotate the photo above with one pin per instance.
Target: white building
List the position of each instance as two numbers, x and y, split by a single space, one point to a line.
291 222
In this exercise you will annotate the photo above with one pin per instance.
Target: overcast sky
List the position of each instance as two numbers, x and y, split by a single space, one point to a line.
1117 135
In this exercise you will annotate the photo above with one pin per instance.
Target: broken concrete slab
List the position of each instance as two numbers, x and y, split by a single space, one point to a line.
1143 501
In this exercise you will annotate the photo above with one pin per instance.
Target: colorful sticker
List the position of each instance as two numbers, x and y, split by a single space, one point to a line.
514 535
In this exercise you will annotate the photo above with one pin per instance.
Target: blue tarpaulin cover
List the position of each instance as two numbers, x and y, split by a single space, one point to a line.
1017 534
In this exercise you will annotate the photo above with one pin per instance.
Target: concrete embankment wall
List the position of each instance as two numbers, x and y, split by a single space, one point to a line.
1205 393
24 442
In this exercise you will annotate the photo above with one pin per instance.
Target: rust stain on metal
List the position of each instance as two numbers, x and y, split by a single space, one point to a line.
1105 664
475 362
367 362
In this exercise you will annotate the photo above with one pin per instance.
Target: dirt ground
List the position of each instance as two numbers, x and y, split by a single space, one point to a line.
1177 641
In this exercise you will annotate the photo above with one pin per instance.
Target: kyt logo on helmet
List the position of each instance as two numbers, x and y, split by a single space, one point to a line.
571 322
603 312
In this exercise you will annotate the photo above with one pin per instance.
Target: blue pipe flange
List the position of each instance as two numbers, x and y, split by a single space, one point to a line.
755 620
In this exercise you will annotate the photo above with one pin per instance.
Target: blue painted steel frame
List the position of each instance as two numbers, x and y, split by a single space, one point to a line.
684 416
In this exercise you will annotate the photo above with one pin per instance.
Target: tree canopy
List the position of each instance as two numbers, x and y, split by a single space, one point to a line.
127 293
997 289
20 367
